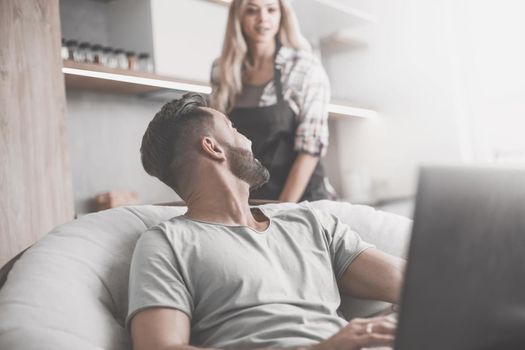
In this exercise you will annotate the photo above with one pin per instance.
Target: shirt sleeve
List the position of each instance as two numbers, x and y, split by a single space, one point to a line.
312 131
155 277
344 243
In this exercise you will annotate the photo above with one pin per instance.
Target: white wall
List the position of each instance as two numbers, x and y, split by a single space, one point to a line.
491 77
405 73
447 78
105 133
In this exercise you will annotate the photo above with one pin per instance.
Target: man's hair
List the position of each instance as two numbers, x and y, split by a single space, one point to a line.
168 141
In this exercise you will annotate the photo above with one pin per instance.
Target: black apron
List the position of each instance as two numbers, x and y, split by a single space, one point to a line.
272 132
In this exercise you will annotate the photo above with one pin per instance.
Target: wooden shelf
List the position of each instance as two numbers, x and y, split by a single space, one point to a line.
89 76
342 110
342 40
86 76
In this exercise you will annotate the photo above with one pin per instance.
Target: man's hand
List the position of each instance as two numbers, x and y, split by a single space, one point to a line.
169 329
362 333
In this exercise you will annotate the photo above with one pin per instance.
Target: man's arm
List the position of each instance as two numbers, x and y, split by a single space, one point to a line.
169 329
374 275
160 328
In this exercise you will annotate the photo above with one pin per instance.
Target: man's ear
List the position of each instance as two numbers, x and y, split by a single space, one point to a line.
212 148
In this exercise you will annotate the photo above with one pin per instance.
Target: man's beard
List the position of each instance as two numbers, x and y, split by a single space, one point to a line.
244 166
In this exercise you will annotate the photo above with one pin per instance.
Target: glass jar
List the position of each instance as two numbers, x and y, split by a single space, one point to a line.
122 59
85 52
110 60
97 54
133 62
72 48
145 62
64 52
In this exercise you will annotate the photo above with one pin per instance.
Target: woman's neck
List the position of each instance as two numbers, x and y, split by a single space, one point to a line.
262 53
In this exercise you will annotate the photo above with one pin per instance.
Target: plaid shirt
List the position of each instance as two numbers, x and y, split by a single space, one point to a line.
306 89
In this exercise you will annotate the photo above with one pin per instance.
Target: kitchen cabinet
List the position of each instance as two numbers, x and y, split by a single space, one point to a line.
183 36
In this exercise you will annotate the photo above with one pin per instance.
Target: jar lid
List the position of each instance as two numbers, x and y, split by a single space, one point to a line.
96 47
130 53
119 51
107 49
71 42
84 44
143 55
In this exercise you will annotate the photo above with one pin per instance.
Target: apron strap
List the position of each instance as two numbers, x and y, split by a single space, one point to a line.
278 84
277 73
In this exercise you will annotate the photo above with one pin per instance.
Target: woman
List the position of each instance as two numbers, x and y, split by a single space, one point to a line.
276 93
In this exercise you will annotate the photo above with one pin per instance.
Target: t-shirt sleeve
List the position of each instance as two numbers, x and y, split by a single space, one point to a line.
156 279
344 243
311 135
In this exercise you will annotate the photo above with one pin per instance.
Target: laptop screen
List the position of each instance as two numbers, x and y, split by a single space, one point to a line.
464 286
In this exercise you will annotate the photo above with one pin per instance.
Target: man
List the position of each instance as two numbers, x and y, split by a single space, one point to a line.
226 276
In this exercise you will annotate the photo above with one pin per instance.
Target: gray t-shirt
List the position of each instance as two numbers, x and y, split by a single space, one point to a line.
242 288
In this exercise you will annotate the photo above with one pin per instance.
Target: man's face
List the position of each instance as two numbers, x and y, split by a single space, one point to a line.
239 153
247 168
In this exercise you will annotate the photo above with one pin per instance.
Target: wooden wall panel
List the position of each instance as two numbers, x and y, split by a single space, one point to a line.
35 177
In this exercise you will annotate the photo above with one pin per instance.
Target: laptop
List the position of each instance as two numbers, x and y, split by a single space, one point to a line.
464 286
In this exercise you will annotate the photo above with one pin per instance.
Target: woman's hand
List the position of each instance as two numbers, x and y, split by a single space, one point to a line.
362 333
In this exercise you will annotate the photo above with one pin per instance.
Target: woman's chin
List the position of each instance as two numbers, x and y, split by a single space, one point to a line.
262 39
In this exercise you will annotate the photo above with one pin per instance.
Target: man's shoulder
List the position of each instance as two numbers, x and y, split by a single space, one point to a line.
165 228
292 212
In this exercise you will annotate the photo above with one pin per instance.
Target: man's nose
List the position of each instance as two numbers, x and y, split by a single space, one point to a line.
247 139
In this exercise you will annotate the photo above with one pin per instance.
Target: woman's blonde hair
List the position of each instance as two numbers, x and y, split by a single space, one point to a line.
234 55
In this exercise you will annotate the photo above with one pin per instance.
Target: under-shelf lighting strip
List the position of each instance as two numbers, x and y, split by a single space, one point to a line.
352 111
203 89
